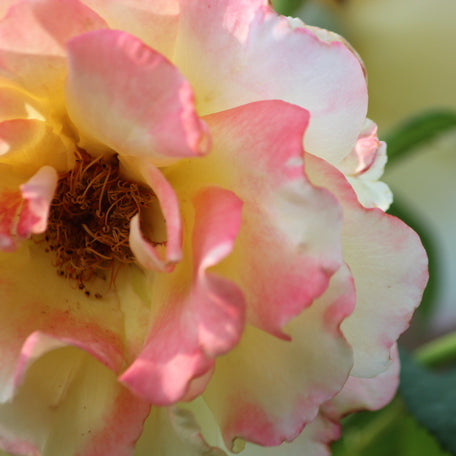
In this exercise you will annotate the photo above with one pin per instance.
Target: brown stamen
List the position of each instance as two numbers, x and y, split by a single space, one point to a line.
88 227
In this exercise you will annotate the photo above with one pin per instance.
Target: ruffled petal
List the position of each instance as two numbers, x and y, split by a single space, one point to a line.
36 59
111 73
37 194
203 316
313 441
365 393
266 389
25 212
154 22
37 305
75 392
245 53
289 243
151 256
364 166
389 266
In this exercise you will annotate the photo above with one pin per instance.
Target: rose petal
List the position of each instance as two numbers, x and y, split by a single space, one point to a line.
148 255
257 55
5 5
37 193
25 212
203 316
267 389
313 441
15 103
37 300
28 144
389 266
36 59
155 22
111 73
364 166
75 392
289 243
178 428
366 393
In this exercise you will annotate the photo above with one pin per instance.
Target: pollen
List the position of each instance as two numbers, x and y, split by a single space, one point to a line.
89 219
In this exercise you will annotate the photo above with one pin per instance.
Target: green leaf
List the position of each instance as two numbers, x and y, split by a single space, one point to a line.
437 352
431 398
418 130
390 431
287 7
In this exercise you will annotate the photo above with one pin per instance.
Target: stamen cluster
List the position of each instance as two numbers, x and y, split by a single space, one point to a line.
88 228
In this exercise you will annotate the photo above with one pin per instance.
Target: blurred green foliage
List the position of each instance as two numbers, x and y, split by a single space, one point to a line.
418 130
391 431
287 7
431 398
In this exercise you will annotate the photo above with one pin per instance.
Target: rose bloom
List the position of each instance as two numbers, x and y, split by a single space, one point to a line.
195 255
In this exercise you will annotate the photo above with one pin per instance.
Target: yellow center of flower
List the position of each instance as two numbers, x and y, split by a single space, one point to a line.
88 226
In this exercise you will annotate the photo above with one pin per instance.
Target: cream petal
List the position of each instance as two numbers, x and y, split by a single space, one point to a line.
245 53
389 266
267 389
111 75
154 22
76 393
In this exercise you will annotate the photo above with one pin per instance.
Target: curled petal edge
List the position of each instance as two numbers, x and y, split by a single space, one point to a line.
206 318
25 212
148 255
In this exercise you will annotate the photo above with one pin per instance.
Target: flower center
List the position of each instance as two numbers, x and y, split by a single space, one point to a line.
89 219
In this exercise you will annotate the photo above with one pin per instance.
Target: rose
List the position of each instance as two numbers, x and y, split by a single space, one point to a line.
215 278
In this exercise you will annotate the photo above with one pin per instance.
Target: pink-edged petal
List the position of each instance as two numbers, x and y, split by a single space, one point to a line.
289 243
217 223
37 306
25 212
313 441
357 394
267 389
124 96
122 426
173 431
37 194
76 392
364 166
36 59
365 393
389 266
155 22
245 53
203 316
152 256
